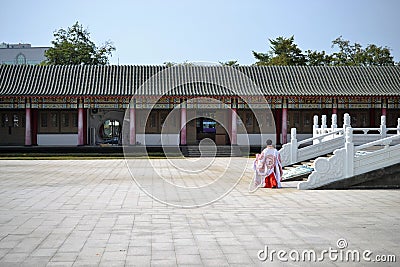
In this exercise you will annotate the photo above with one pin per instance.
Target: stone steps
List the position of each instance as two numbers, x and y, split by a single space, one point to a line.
210 151
300 171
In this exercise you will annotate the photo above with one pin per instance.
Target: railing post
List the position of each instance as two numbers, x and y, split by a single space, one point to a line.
315 127
383 126
346 121
349 146
334 122
293 145
323 123
398 126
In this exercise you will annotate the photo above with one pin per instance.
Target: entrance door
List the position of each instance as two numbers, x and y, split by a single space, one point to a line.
205 128
209 128
110 131
12 127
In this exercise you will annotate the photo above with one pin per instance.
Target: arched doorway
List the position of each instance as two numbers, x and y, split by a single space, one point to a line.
110 132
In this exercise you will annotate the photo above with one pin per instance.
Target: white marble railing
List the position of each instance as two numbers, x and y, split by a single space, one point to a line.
327 139
292 152
351 160
360 135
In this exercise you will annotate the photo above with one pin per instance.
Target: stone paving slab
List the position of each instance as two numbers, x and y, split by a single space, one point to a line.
91 213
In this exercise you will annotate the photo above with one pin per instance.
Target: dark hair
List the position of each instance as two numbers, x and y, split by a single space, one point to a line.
269 142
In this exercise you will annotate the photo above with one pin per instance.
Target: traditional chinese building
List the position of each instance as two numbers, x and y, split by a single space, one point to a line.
85 105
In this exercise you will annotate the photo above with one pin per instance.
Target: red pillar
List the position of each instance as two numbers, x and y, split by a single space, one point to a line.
80 127
35 124
284 126
28 128
233 132
183 126
383 111
334 111
85 128
132 126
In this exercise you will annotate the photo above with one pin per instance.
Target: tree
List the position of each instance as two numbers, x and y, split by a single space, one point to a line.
283 52
184 63
231 63
169 64
348 54
74 47
263 58
377 56
315 58
355 55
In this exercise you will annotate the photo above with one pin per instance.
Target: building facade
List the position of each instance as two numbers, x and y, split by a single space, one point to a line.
91 105
21 54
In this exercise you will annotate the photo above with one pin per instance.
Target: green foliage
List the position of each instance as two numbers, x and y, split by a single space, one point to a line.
378 56
74 47
263 58
231 63
285 52
171 64
315 58
355 55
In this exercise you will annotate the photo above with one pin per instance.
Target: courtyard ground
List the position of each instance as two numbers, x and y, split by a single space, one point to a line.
91 212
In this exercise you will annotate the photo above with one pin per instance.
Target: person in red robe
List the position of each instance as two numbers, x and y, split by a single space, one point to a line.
268 169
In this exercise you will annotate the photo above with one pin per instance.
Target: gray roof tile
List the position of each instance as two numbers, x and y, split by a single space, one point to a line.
198 81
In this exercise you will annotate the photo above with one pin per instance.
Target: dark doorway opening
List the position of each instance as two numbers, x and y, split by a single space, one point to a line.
209 128
110 132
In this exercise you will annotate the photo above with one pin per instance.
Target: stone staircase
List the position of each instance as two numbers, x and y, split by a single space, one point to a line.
336 154
367 165
300 171
210 151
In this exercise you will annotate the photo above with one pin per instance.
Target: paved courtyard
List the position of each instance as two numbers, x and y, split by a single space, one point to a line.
91 212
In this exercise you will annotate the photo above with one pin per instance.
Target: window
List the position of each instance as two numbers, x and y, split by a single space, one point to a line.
74 119
153 120
269 120
21 59
43 120
58 121
249 119
4 120
54 119
64 120
163 116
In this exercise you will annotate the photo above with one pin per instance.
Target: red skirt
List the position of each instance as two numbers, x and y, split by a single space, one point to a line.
270 181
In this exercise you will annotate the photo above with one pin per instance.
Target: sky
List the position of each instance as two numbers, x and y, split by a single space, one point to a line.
157 31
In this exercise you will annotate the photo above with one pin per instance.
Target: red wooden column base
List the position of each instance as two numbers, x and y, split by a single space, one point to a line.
183 126
35 124
80 127
284 126
28 128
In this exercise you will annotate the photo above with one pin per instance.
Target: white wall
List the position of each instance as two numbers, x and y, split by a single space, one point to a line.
57 139
155 139
254 139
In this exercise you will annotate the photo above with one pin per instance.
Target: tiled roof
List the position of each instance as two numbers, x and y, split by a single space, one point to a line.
198 81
